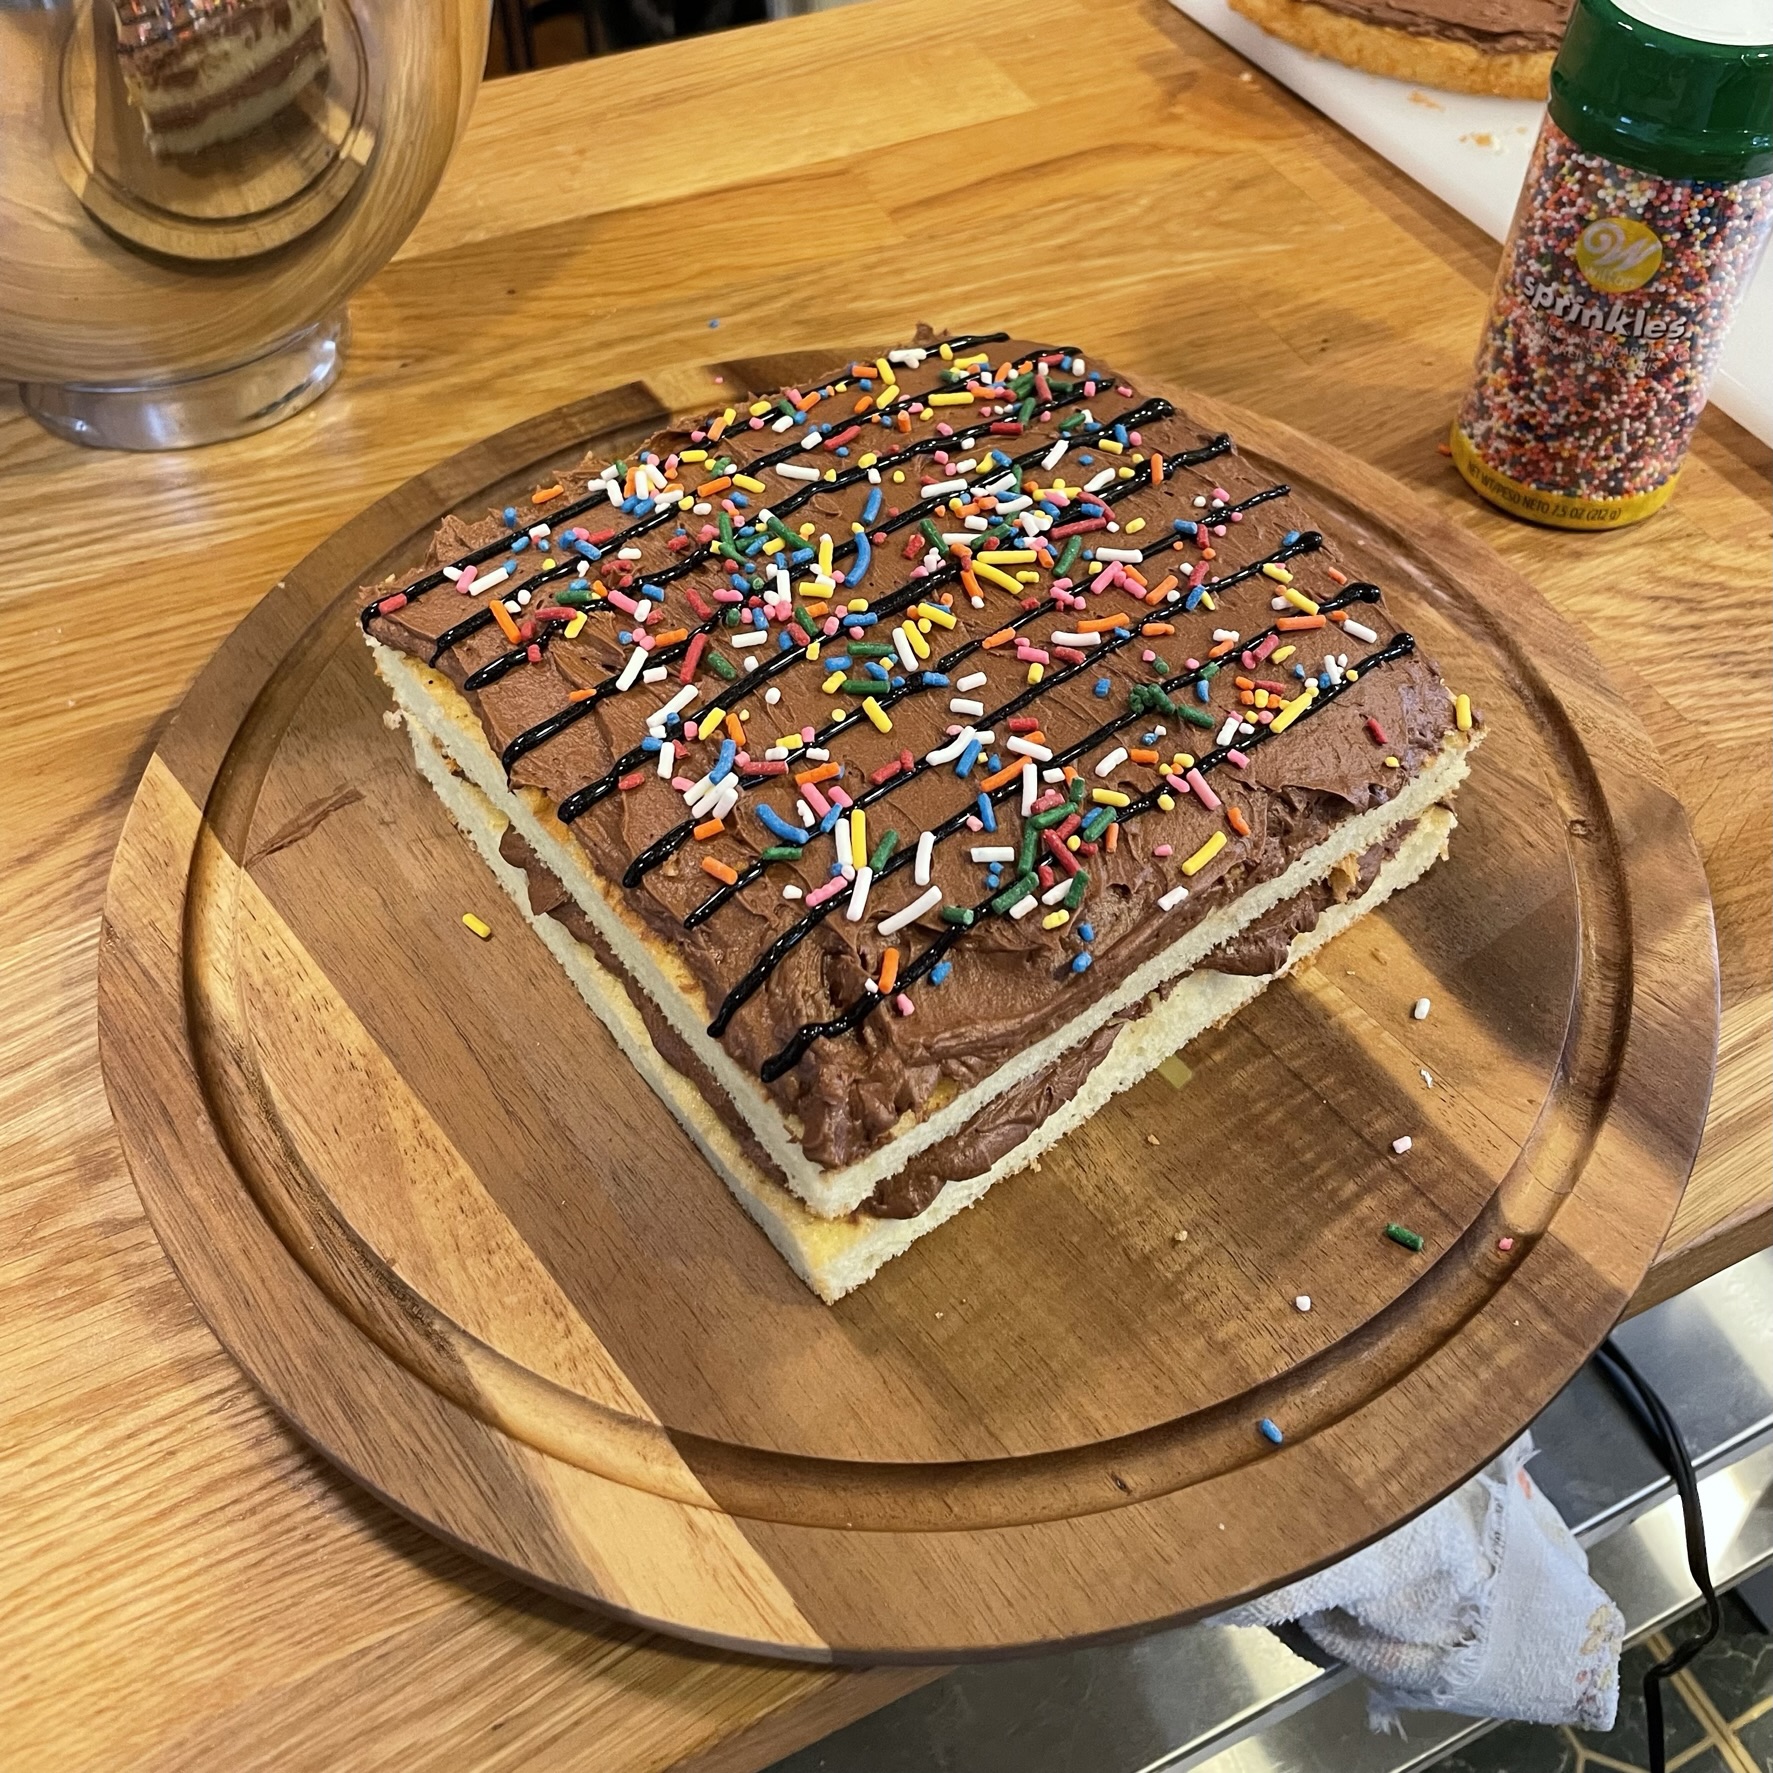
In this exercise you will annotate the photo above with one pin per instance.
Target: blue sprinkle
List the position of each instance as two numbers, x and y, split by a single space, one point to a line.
624 636
934 679
1192 600
510 514
673 718
835 661
940 971
655 592
1123 633
580 585
860 619
1103 686
863 555
1002 460
994 762
777 826
871 506
964 763
1086 932
587 550
800 556
1203 690
1298 670
713 322
1183 527
1289 538
843 449
1120 434
898 683
1080 963
738 498
1270 1432
875 668
519 543
1085 459
649 743
835 869
642 507
784 643
724 763
987 812
831 817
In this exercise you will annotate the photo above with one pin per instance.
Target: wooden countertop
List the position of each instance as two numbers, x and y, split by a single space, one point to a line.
188 1587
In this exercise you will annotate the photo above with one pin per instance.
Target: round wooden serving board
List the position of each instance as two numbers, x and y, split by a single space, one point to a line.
428 1206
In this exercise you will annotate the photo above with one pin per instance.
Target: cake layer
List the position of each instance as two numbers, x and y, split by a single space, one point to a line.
834 1256
919 627
434 709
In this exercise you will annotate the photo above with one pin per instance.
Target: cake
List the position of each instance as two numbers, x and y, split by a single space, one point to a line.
1501 47
902 764
208 71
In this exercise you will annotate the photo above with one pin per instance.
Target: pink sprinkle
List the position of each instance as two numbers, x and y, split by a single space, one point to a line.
1163 849
829 626
709 532
469 575
1505 1243
1124 389
756 424
901 1003
1135 440
1147 655
689 731
682 784
835 885
1198 577
808 734
1191 664
1203 793
533 653
839 798
1236 517
1238 758
941 456
974 822
1221 494
944 430
820 805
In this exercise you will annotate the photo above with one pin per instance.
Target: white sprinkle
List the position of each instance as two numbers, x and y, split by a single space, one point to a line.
1303 1302
1056 892
1361 632
841 834
628 554
975 526
1028 748
947 753
1400 1146
902 646
497 577
926 848
1172 898
771 696
1023 906
522 599
1227 732
859 892
964 705
891 926
789 471
818 754
812 439
992 852
1112 761
1096 482
1419 1012
1428 1078
792 892
940 488
971 681
751 637
667 760
1052 775
1226 634
1279 603
631 670
1128 556
1055 455
452 573
1030 788
1063 637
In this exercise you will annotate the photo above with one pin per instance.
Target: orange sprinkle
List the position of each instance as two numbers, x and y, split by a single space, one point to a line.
889 970
1248 683
1101 624
502 616
581 695
726 875
718 429
1222 647
1158 628
1133 573
1111 837
670 637
543 494
1157 469
1338 616
1296 624
708 828
901 421
1143 756
1070 773
1008 773
1162 588
1237 821
823 773
1339 577
817 609
709 488
735 728
1001 638
968 579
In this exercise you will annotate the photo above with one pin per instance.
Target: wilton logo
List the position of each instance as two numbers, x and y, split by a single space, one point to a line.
1616 253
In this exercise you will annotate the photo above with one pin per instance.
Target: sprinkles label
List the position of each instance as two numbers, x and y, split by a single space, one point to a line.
1616 291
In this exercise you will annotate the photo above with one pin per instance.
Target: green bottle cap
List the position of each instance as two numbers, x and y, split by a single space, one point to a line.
1678 103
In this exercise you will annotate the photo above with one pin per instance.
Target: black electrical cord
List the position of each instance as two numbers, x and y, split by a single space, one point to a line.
1659 1428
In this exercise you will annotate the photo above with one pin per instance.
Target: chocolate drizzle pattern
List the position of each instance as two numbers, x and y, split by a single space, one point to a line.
722 570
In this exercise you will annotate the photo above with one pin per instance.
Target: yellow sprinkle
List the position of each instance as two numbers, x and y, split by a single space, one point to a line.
858 836
1279 574
961 399
482 930
1055 920
1036 672
1109 444
576 626
996 575
1297 599
829 686
806 530
791 741
1027 575
1204 854
1462 713
774 545
830 473
748 484
887 395
934 612
1281 657
1351 676
1207 601
1006 556
1167 802
1135 526
693 455
945 352
756 409
1123 473
548 561
1073 841
1391 763
877 714
711 719
1292 710
856 605
868 460
825 556
919 645
1110 797
898 474
812 650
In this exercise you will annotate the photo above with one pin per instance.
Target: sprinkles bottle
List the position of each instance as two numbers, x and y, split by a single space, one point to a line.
1644 214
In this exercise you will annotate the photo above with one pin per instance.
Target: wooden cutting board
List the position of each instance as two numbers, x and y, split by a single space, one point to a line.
426 1204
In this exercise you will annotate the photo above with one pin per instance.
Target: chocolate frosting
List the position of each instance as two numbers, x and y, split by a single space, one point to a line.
1502 27
1012 980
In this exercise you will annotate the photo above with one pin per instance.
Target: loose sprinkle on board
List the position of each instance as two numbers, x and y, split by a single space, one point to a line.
1401 1234
481 929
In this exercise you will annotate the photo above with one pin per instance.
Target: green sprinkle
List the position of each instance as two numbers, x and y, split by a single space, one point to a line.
1073 547
732 618
932 535
960 914
1080 884
1015 893
571 599
1052 816
1077 790
1193 716
723 666
727 545
783 533
1401 1234
864 686
779 852
870 649
1207 673
1025 410
1030 842
1160 667
1096 822
806 622
883 851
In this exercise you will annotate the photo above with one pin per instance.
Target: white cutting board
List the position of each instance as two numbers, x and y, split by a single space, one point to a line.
1472 153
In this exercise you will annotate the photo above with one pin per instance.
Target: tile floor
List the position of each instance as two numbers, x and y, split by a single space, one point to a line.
1718 1714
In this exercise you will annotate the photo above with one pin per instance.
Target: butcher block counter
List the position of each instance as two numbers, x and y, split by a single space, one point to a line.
188 1586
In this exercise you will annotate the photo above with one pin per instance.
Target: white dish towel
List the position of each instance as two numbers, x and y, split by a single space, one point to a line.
1482 1605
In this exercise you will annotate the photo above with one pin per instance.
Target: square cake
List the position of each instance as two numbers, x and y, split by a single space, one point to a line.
902 764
